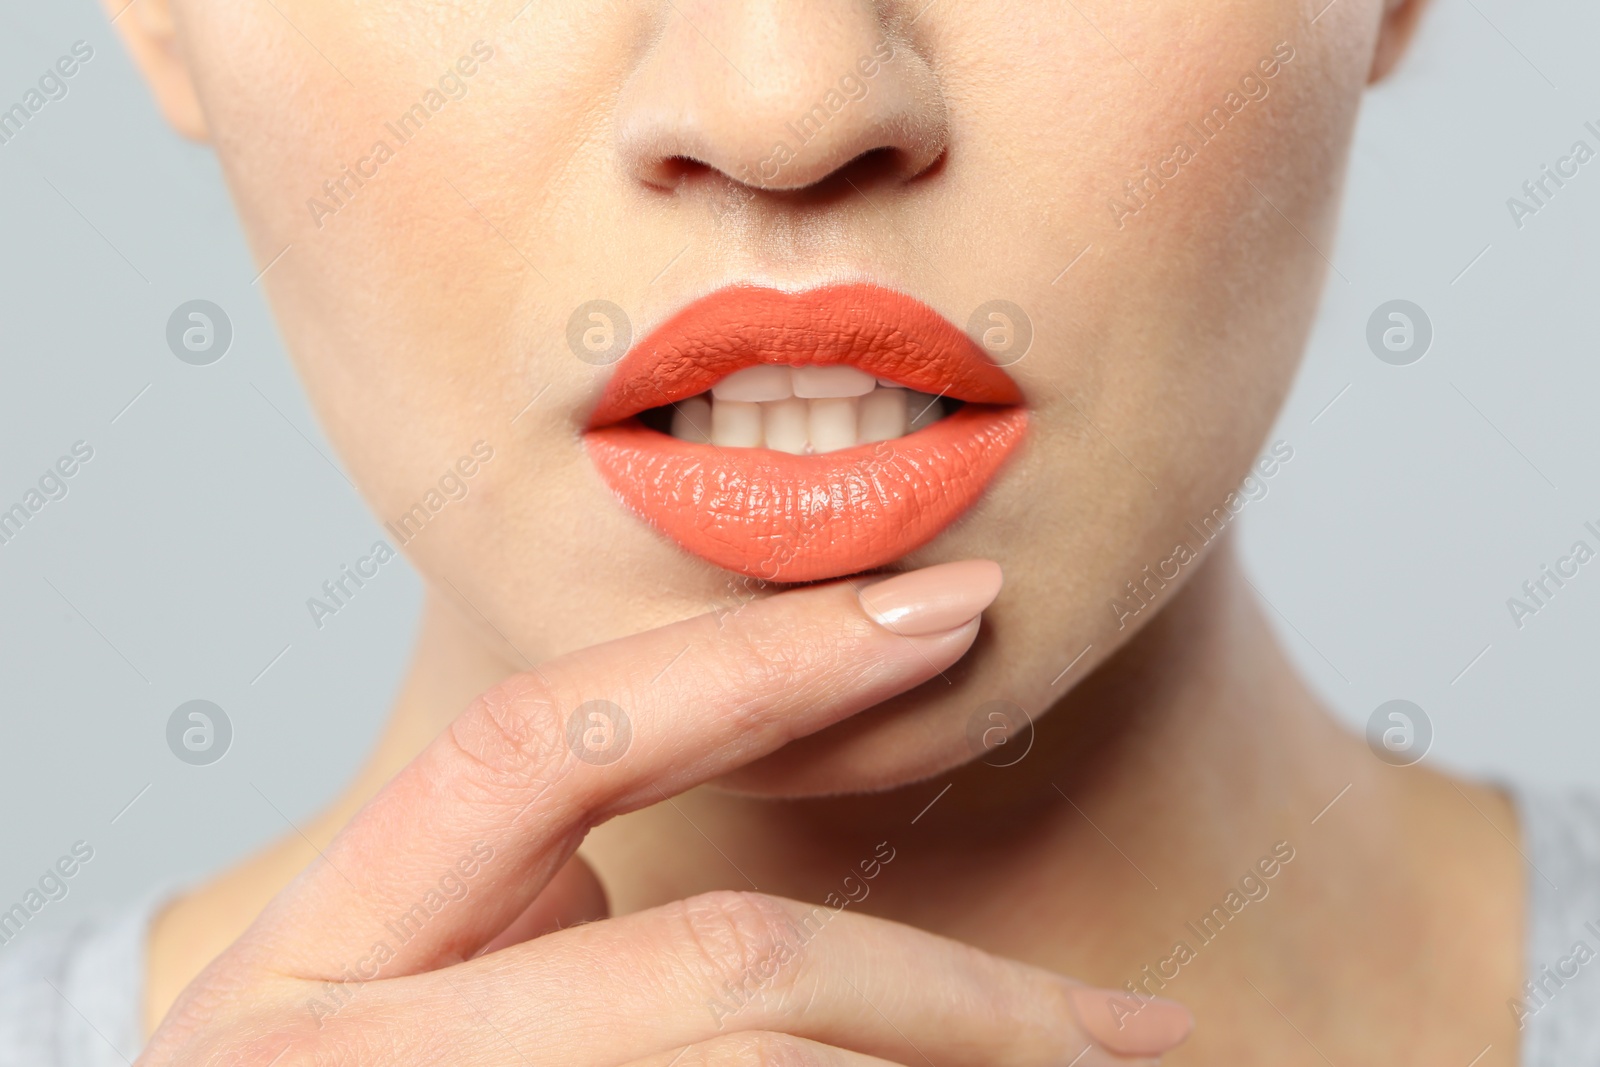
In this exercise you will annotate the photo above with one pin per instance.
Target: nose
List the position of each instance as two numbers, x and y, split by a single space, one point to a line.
778 95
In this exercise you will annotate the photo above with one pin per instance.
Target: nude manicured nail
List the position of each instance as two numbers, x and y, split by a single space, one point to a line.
1129 1027
934 599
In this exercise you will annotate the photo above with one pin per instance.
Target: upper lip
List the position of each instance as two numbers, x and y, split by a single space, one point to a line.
877 330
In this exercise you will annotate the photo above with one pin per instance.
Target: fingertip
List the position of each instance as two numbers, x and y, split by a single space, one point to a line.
1129 1026
934 599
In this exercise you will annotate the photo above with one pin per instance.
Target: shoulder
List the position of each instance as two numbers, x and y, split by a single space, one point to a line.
1559 1011
72 998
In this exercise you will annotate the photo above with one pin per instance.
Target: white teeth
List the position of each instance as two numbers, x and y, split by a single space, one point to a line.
735 424
785 424
759 383
691 420
833 423
836 381
883 415
731 416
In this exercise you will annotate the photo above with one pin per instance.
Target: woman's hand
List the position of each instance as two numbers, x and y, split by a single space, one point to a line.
416 939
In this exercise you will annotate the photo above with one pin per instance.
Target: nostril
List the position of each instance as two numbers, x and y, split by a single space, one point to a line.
875 167
887 163
669 173
675 170
881 165
874 161
872 167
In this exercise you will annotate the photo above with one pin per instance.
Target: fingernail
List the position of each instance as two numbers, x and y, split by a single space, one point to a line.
934 599
1129 1027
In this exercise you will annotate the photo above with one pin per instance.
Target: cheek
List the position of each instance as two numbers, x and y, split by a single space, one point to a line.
1194 219
414 234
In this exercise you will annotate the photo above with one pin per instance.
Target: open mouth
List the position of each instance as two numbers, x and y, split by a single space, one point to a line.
801 436
804 411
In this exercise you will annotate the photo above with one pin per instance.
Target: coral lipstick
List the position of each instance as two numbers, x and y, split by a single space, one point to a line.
803 517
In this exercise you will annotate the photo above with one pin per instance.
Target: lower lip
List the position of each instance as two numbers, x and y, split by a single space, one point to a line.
789 518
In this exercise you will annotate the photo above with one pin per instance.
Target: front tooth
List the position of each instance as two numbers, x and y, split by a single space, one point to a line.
925 409
755 384
833 423
735 424
883 415
783 424
836 381
691 420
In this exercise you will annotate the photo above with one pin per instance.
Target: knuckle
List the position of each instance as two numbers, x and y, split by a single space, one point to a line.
510 737
761 670
738 944
756 1049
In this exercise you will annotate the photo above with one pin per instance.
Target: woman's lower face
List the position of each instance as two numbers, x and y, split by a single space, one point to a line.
902 284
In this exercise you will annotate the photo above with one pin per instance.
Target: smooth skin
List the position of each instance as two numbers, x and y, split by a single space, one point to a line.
623 150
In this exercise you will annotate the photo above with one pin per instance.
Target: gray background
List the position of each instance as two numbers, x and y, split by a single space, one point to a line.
1418 500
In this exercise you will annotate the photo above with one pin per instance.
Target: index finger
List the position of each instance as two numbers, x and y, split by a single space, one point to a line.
495 805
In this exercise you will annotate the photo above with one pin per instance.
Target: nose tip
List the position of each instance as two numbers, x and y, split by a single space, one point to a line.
778 95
